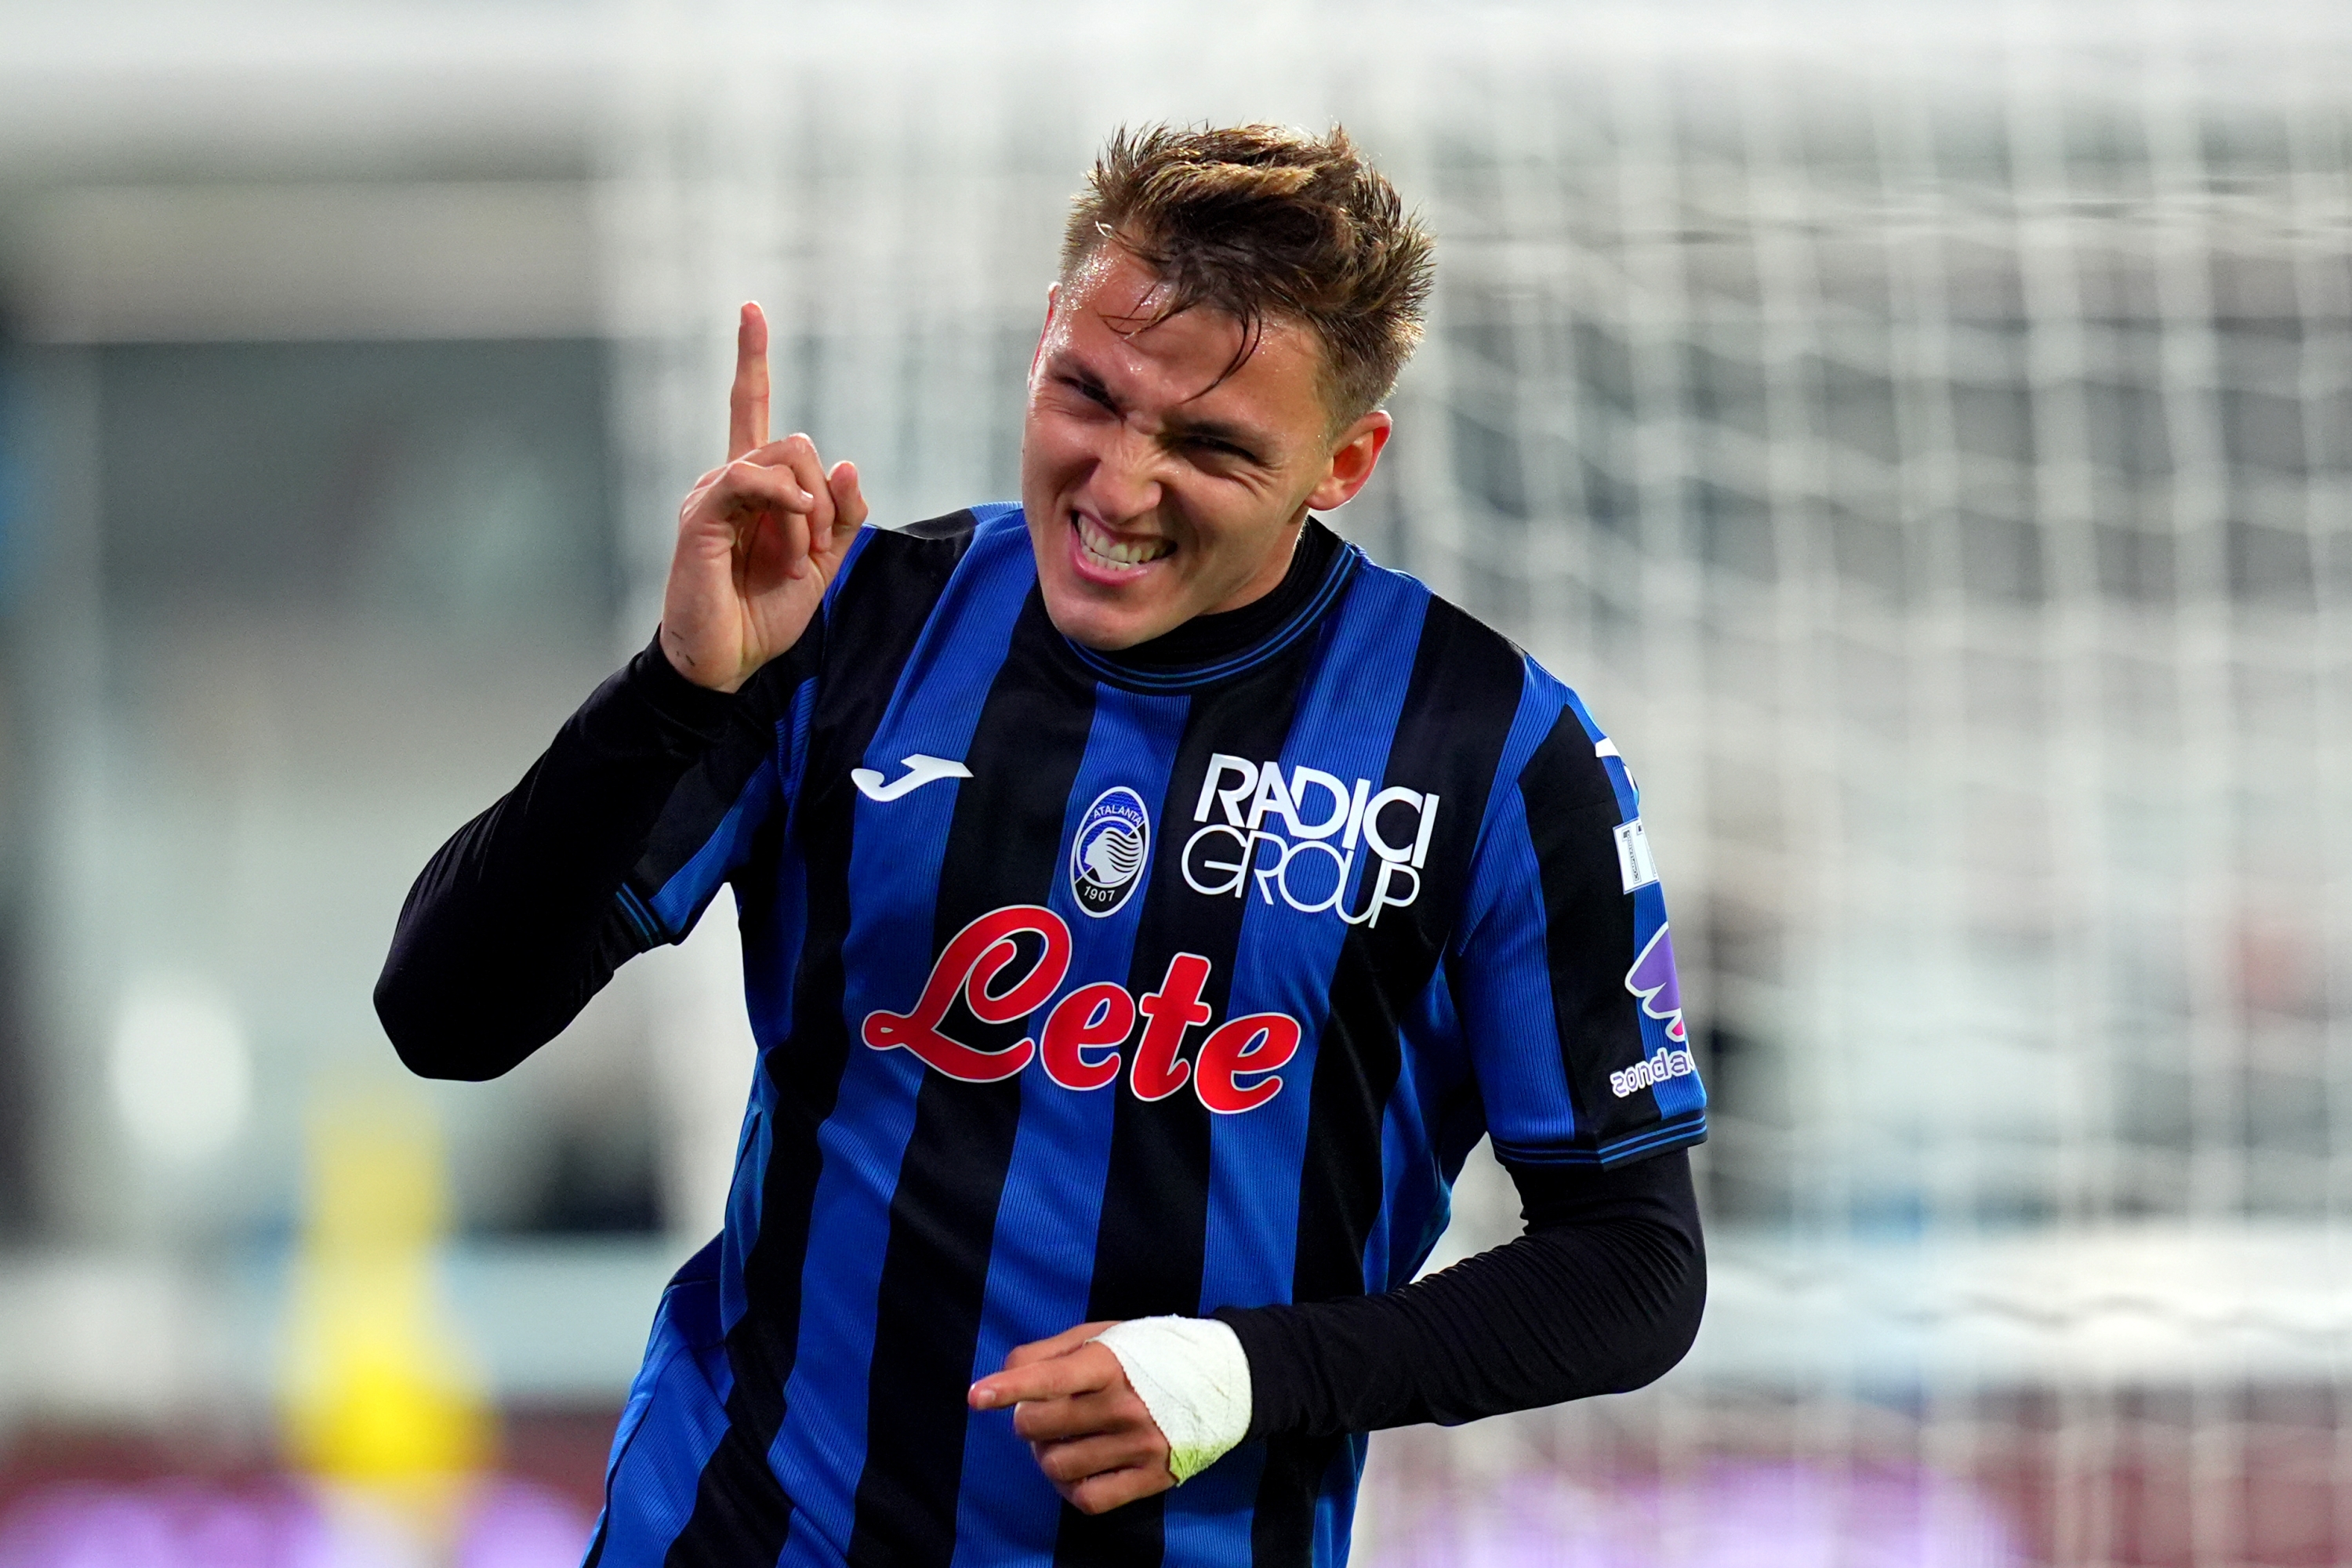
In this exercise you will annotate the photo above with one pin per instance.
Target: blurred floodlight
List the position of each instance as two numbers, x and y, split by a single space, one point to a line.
183 1075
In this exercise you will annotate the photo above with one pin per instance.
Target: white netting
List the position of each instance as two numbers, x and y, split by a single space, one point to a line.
1927 440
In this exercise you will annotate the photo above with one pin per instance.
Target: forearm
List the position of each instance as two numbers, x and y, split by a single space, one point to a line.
1603 1294
514 924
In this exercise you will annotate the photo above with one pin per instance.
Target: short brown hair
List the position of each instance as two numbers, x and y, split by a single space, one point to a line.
1259 221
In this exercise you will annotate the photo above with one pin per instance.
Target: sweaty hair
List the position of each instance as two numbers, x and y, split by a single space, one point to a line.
1259 222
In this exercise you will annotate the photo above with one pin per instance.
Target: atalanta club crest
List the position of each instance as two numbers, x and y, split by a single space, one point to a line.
1107 856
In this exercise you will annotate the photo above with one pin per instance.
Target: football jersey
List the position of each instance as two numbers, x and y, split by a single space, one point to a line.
1087 991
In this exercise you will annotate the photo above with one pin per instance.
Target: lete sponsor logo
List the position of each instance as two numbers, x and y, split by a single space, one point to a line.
1085 1041
1297 836
1652 980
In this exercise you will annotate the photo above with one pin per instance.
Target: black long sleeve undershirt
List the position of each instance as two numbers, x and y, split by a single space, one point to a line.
514 925
1602 1295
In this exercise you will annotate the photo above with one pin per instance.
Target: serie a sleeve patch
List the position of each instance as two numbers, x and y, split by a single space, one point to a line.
1634 863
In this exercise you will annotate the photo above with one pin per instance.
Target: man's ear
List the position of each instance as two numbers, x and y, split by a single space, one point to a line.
1053 298
1353 461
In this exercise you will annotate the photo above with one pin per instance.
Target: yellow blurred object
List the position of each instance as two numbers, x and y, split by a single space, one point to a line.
380 1393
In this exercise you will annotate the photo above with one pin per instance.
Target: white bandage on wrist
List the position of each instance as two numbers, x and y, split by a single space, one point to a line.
1194 1376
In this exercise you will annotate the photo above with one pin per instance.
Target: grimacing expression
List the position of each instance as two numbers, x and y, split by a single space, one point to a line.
1155 491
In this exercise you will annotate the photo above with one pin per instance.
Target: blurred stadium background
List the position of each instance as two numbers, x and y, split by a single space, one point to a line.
1923 433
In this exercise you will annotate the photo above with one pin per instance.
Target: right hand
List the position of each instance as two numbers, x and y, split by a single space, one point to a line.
1089 1431
759 539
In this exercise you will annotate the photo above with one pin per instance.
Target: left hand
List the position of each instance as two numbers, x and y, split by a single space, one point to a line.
1083 1421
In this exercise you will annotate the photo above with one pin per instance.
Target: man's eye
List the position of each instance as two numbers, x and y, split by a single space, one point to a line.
1223 448
1087 390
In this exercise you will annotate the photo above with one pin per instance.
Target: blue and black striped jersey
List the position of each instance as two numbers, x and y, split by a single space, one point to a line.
1085 990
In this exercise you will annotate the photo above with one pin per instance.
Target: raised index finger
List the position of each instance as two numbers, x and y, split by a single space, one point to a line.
747 402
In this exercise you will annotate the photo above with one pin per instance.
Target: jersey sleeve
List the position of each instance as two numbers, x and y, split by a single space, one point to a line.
740 787
715 814
1564 971
515 922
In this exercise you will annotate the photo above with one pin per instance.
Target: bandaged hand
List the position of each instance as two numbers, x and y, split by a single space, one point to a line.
1114 1412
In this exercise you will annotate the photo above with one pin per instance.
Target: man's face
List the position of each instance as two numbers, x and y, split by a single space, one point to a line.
1155 493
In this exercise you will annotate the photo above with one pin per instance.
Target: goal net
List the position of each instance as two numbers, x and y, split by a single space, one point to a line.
1926 440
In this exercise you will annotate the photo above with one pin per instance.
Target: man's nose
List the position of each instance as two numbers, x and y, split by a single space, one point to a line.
1127 481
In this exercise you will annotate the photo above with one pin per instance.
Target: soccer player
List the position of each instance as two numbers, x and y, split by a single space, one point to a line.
1146 903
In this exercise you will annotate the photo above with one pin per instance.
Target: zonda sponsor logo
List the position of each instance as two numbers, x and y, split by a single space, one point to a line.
1298 836
1653 979
1082 1045
1662 1065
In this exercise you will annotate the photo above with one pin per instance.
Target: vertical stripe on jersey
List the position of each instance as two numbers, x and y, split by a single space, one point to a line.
1004 846
1347 713
740 1512
1434 1114
1464 692
1349 710
1498 974
1052 1203
1594 931
671 1424
1149 1242
1680 1100
773 917
896 854
706 829
680 902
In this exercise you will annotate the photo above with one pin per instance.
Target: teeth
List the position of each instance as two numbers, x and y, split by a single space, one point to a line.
1112 551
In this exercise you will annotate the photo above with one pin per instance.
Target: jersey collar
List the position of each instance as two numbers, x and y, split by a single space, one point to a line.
1192 677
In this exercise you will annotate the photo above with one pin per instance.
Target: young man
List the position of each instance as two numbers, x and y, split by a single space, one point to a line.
1147 902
